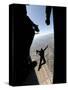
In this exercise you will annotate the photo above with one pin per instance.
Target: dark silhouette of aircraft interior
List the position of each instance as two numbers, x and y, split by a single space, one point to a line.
59 19
21 34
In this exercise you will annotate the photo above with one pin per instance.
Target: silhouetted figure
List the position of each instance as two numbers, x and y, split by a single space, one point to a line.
59 20
42 58
31 28
22 31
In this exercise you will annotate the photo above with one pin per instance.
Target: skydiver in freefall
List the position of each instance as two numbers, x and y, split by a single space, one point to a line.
42 58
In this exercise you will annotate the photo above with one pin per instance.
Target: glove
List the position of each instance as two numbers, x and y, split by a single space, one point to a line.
47 22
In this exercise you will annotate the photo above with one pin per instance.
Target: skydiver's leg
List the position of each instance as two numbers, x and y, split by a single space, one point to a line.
44 61
40 64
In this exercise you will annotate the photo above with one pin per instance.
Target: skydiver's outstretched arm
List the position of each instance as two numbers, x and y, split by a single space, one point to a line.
37 51
46 47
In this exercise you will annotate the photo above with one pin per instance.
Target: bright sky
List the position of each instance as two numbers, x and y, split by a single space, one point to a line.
38 16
